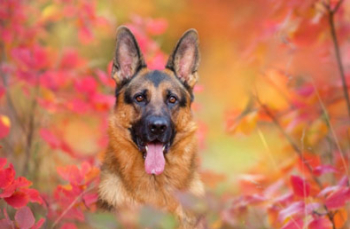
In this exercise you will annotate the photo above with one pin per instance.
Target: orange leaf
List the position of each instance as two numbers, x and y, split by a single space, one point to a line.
4 126
211 178
244 124
340 218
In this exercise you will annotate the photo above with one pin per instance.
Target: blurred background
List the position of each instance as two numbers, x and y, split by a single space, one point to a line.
269 81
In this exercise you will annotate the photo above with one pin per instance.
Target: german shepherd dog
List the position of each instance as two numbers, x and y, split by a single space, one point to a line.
152 151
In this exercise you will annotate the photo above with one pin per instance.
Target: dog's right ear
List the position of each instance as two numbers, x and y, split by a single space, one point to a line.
128 59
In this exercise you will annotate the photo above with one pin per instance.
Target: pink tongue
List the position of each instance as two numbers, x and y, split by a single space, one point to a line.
155 162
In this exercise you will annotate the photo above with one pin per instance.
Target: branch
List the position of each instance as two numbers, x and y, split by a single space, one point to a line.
331 14
299 152
31 128
337 6
291 142
71 206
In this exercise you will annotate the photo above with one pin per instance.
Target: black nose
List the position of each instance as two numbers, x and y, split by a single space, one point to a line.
157 125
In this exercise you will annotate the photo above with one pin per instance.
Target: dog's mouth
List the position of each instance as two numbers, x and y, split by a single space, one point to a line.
154 155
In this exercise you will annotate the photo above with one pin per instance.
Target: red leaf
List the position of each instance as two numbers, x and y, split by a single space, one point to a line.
40 57
3 162
39 223
18 199
337 199
102 102
86 85
300 186
71 59
2 91
8 191
78 106
308 32
34 195
71 173
24 218
320 223
22 182
7 176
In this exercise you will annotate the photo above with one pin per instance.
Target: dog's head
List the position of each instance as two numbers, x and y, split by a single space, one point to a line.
154 105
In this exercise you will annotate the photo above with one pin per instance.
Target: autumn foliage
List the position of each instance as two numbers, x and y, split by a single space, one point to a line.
56 93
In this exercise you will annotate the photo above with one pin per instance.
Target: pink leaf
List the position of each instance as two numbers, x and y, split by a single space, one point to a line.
323 169
297 207
328 190
344 181
90 199
284 199
156 26
24 218
300 186
6 223
50 138
69 226
86 85
320 223
85 35
337 199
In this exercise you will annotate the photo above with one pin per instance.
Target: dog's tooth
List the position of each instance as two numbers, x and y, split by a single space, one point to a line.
163 148
146 148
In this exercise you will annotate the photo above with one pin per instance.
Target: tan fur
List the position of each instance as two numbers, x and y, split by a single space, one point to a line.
124 181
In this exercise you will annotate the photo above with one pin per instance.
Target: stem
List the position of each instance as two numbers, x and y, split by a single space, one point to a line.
299 152
292 143
31 129
337 52
337 6
71 206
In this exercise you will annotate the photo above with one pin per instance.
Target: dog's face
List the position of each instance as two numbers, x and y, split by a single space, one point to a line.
157 102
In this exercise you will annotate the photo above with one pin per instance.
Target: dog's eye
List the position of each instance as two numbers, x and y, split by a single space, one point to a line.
140 98
172 99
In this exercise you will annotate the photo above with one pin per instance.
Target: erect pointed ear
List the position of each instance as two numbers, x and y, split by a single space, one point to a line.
185 58
128 59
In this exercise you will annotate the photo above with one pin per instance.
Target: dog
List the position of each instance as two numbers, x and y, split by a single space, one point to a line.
152 150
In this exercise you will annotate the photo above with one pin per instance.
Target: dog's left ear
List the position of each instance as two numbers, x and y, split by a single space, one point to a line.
185 58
